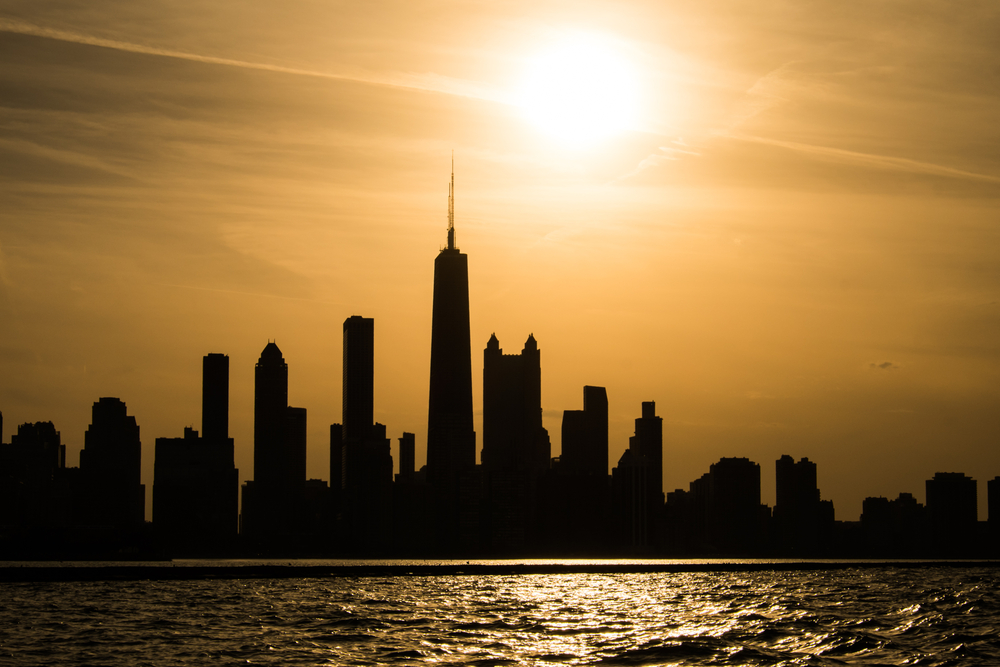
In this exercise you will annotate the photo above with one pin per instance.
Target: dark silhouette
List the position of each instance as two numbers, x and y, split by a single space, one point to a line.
273 507
215 397
952 513
803 523
451 439
573 495
195 481
519 502
366 467
110 466
637 485
516 448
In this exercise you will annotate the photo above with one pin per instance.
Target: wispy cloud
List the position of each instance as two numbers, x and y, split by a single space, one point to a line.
884 366
873 160
429 81
665 154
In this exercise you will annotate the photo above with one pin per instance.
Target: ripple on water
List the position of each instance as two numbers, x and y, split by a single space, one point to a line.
889 616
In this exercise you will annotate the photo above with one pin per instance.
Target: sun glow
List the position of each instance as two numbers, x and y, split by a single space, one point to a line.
579 92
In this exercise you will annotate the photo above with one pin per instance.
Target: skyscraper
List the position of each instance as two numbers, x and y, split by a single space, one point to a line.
269 406
513 435
358 381
273 501
215 397
195 482
110 464
366 463
585 434
451 440
516 447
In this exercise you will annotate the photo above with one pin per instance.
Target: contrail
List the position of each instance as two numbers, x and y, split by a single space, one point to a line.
425 82
884 161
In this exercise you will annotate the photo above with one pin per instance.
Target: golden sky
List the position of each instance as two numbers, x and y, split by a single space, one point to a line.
790 241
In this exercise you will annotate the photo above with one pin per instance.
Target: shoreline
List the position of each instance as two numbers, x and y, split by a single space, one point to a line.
27 573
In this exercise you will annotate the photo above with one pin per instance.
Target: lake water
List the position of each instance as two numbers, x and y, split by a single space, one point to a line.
881 615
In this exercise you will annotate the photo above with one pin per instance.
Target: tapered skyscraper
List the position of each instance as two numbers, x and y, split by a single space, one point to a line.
451 440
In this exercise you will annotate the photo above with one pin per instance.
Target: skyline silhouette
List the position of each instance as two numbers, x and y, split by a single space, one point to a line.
518 501
786 242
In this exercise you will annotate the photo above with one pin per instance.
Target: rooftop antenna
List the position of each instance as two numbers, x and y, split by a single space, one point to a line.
451 206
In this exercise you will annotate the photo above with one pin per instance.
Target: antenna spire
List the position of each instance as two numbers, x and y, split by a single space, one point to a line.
451 206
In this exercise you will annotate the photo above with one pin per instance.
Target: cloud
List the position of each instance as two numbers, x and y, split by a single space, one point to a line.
429 82
870 159
884 366
666 153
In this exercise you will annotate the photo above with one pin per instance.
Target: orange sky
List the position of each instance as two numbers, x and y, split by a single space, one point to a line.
794 248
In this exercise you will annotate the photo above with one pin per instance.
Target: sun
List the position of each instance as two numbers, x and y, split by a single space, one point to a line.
580 91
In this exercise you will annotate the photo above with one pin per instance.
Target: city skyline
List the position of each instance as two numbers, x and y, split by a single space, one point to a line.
790 248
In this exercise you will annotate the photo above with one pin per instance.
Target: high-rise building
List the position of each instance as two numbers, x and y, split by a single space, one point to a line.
585 434
366 460
273 501
513 435
952 513
407 457
36 490
451 438
802 521
637 483
110 465
195 480
359 373
215 397
647 443
736 520
270 403
516 447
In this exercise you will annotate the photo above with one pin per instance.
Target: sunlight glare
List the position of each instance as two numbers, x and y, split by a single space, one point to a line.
579 92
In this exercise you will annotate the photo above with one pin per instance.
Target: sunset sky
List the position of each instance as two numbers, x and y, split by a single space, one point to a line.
778 220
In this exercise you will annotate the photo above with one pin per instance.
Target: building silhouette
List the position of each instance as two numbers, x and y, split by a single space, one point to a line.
273 511
637 484
574 494
195 480
893 528
736 519
215 397
36 488
366 460
407 457
451 438
585 435
952 513
802 522
113 496
993 519
516 447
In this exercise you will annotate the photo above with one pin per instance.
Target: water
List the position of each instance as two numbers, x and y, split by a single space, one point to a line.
875 616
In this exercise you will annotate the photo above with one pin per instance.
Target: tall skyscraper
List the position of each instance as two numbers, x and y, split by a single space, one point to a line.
648 445
366 461
215 397
513 435
359 373
270 404
516 447
110 464
273 501
451 440
585 434
637 482
195 482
